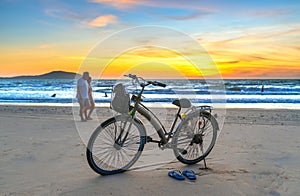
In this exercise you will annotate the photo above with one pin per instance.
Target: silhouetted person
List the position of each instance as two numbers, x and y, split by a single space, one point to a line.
53 95
91 99
83 95
262 88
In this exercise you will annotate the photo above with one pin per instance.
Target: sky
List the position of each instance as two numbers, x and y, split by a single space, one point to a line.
244 39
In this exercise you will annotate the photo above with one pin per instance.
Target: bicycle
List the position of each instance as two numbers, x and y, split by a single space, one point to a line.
117 143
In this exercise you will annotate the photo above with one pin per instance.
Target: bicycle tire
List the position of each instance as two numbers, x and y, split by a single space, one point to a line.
187 143
106 158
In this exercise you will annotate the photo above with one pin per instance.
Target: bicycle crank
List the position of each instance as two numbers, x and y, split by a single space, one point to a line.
197 139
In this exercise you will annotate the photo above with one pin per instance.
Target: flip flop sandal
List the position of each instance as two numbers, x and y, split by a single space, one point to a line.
189 174
176 175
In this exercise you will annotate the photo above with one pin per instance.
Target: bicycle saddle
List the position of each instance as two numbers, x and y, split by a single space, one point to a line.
182 103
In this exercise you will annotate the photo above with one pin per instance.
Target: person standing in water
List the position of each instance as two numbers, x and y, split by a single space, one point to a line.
91 99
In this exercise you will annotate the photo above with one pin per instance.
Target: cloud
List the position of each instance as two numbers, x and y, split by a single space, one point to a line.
67 14
121 4
263 35
263 52
118 3
194 15
227 62
63 13
193 9
270 12
153 52
104 20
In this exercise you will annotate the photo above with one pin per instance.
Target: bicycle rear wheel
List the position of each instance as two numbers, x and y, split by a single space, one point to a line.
195 137
109 151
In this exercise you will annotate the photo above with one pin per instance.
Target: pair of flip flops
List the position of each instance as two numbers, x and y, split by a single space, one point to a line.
178 175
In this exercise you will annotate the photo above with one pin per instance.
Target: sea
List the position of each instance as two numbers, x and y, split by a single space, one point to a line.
268 93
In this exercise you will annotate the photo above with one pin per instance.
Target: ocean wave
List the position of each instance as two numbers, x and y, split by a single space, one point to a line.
199 91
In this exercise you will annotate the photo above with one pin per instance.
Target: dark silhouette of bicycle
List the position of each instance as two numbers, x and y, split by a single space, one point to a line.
119 141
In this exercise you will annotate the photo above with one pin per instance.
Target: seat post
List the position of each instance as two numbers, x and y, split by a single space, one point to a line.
175 120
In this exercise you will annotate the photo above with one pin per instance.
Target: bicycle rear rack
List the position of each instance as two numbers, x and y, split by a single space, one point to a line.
202 108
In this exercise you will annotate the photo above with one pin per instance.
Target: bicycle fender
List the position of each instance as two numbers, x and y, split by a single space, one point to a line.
212 118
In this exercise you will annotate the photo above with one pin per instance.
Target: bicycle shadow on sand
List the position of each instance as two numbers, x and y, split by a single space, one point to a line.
139 181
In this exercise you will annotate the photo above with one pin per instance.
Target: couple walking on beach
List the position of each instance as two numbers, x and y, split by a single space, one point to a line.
85 97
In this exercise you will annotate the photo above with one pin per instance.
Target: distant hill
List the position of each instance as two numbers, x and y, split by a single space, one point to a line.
50 75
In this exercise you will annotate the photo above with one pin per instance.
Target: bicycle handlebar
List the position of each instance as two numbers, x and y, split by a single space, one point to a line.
132 76
154 83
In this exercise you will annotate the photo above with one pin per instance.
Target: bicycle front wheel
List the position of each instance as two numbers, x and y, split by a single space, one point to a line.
115 145
195 137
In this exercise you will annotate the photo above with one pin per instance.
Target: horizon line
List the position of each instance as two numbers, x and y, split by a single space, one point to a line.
190 78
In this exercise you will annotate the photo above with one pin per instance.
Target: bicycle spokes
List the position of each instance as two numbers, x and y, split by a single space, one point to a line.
115 146
194 139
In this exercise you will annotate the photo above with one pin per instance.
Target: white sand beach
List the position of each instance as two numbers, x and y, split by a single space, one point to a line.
257 153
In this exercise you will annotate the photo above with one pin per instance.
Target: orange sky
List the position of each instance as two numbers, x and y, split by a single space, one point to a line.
234 59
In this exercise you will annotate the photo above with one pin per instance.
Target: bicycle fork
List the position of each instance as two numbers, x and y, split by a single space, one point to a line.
119 142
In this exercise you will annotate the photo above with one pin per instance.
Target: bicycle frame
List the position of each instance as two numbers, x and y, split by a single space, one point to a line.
150 116
154 121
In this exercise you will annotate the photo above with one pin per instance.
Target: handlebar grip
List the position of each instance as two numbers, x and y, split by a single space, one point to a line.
160 84
132 76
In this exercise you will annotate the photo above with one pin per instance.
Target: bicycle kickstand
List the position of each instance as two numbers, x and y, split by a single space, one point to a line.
205 166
